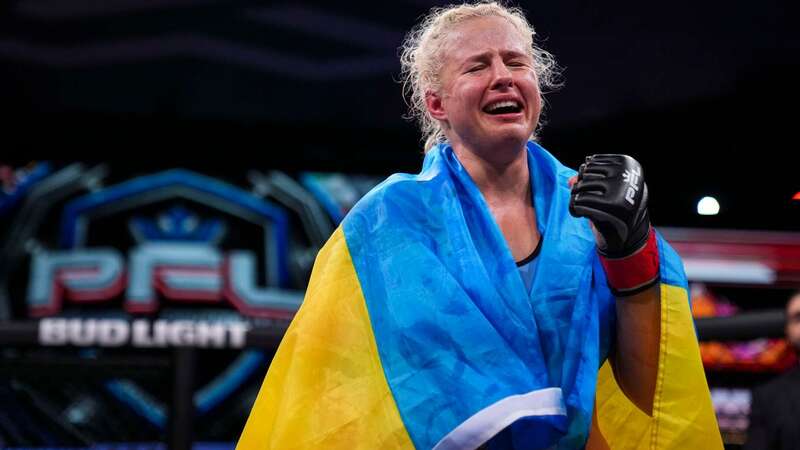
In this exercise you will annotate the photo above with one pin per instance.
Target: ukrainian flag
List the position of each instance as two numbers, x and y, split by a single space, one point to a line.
418 332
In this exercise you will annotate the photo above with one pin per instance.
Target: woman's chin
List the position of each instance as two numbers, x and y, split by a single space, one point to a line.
508 137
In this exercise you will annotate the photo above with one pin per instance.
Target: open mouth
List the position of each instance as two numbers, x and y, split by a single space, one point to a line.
503 107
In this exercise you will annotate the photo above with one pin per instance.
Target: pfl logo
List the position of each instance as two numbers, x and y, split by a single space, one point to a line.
193 253
632 177
175 254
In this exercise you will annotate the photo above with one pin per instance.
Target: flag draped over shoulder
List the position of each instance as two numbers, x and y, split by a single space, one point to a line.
417 331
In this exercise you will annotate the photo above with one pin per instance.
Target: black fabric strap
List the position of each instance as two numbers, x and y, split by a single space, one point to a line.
532 255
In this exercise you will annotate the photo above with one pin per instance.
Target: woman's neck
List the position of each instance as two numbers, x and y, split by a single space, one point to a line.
500 179
505 185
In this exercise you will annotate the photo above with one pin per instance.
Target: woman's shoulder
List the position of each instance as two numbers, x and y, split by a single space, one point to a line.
400 194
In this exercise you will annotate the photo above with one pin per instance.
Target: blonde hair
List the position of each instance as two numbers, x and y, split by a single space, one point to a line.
421 58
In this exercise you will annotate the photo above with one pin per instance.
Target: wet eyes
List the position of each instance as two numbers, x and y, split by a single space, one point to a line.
513 64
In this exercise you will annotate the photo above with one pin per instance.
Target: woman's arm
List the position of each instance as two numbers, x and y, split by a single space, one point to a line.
635 357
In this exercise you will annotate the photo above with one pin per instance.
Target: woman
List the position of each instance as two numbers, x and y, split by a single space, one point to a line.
464 307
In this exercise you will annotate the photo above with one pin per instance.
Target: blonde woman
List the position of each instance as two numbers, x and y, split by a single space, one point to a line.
471 305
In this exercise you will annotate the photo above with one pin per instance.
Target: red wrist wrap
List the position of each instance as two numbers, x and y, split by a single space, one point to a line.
636 272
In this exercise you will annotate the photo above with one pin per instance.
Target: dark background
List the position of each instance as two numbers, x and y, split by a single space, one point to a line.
704 94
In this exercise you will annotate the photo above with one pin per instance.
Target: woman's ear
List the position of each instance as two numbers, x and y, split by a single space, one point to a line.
433 101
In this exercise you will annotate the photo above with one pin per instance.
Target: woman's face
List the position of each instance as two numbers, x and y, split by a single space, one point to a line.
490 95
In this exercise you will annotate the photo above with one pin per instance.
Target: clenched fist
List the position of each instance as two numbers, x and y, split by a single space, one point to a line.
611 192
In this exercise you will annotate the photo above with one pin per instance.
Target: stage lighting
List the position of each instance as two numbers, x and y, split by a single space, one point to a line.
708 206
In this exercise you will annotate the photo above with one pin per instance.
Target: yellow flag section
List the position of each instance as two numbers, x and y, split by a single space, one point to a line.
325 388
683 417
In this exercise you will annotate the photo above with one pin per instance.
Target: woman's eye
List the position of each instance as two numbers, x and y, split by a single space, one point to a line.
475 68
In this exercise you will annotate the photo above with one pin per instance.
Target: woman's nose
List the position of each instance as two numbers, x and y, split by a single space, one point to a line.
502 78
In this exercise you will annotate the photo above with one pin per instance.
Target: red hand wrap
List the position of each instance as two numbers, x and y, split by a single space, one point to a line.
631 274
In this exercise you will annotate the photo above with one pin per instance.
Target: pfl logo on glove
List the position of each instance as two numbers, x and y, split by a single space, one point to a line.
632 178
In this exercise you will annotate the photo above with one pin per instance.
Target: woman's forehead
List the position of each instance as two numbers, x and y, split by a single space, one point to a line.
480 34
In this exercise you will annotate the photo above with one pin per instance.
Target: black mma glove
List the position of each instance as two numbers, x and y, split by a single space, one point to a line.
612 194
